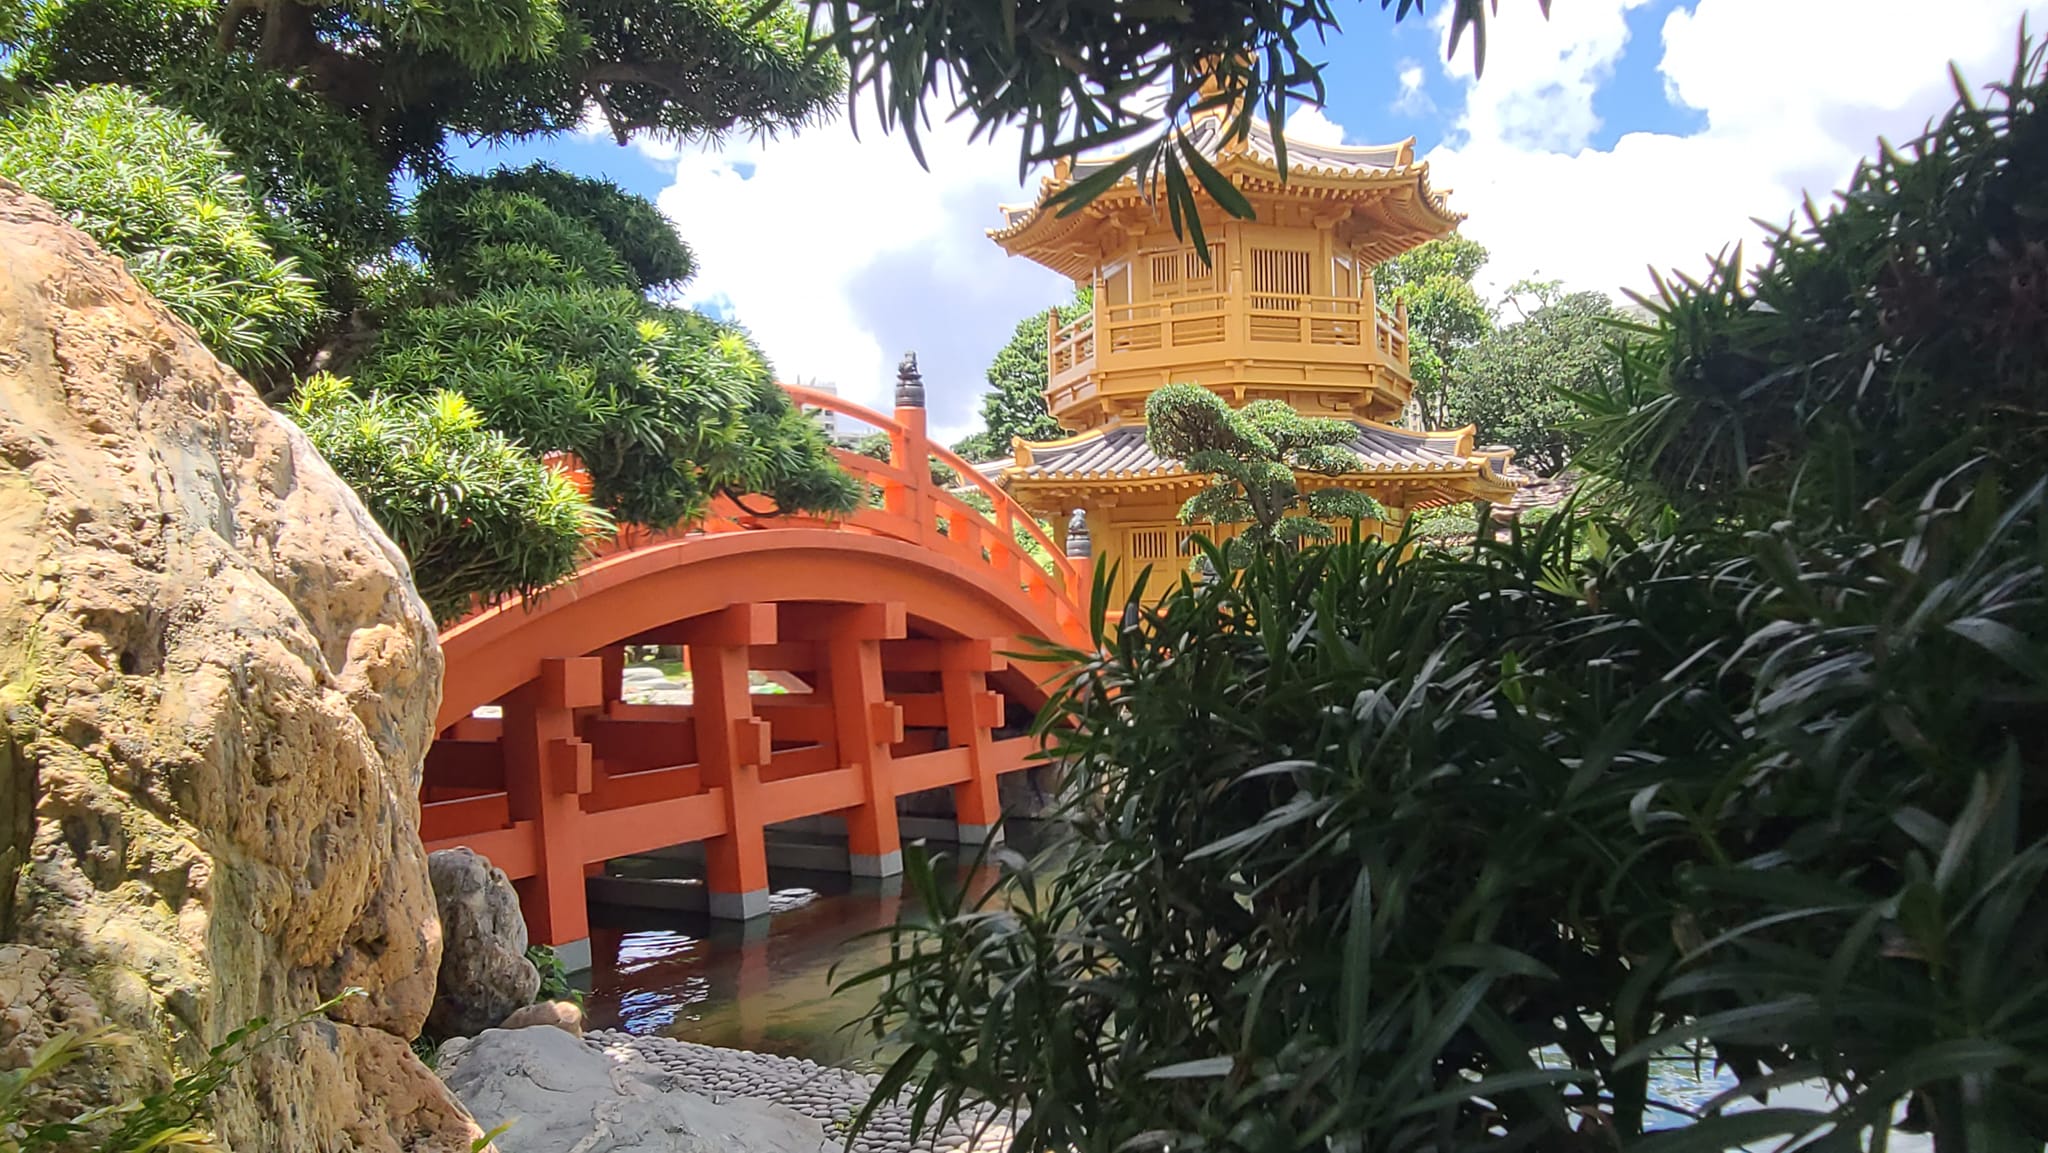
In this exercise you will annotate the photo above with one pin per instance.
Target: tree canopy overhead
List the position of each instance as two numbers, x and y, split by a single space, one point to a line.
1077 75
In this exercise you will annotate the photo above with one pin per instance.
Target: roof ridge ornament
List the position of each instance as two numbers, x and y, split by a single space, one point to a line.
909 383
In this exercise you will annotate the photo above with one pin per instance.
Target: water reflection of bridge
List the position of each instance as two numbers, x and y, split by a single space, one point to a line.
896 619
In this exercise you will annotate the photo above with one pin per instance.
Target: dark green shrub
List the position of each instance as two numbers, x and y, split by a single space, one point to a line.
664 409
1386 852
1892 337
478 516
629 227
1375 853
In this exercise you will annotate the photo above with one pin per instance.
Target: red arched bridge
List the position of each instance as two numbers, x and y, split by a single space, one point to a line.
886 628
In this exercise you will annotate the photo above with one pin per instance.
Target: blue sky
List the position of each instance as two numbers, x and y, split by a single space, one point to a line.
1618 136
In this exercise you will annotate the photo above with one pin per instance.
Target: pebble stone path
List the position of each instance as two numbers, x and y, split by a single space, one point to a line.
830 1096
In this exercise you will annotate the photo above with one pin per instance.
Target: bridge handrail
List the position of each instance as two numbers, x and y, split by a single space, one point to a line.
1009 514
913 506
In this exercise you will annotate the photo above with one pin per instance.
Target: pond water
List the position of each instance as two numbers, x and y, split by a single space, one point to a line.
768 985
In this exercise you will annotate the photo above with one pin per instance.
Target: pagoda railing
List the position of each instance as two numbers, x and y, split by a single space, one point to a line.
1282 326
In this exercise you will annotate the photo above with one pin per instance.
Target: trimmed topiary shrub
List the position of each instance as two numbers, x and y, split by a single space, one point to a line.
479 517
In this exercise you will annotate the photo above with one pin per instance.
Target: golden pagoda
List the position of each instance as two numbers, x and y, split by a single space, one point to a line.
1283 309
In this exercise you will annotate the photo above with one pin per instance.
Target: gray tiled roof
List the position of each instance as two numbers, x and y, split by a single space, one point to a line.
1121 451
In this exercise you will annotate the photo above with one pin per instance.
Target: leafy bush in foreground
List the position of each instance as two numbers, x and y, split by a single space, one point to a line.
155 188
1373 853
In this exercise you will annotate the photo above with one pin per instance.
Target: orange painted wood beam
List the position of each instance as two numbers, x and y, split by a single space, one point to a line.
800 761
806 722
810 795
878 621
464 765
515 850
658 824
785 656
931 770
623 790
732 745
633 745
483 813
547 768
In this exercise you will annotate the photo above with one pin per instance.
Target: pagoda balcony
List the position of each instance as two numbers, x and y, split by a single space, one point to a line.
1106 363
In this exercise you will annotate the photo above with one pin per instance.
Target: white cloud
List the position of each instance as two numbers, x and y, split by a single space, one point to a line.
1311 125
1414 99
840 253
1792 93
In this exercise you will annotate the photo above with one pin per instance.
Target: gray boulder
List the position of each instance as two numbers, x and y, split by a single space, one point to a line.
484 971
561 1093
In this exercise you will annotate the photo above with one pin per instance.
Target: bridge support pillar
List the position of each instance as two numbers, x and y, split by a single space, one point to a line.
865 723
732 748
547 770
972 714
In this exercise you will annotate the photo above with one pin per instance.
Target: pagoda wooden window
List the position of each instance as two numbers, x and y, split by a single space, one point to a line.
1154 544
1280 276
1181 273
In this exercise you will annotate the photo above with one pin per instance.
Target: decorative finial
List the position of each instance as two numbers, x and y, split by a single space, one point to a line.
1077 535
909 385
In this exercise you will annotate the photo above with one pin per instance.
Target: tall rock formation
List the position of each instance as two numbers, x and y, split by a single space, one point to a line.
217 685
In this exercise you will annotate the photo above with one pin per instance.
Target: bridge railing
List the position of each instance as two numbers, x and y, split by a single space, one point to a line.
914 507
908 504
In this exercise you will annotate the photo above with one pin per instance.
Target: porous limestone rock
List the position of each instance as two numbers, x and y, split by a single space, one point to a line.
217 685
484 971
560 1093
564 1015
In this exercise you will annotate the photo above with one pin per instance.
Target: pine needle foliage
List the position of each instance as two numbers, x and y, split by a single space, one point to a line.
663 408
532 307
611 236
479 517
1252 456
155 188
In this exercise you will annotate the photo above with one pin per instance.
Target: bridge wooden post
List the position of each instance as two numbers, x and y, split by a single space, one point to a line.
732 748
614 658
972 715
910 450
865 722
547 770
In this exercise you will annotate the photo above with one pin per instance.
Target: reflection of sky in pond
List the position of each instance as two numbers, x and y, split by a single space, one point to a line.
768 986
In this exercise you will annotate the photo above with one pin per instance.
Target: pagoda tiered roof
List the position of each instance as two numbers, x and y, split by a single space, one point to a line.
1118 457
1384 186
